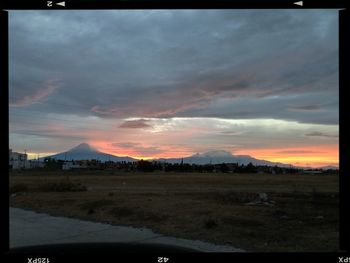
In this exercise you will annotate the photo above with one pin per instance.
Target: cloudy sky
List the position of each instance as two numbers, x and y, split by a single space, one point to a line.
171 83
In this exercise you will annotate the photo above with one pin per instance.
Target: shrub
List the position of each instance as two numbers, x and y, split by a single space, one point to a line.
91 211
96 204
210 223
63 186
122 211
241 197
18 187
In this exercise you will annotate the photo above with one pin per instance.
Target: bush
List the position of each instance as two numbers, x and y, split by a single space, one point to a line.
18 187
240 197
63 186
122 211
96 204
210 223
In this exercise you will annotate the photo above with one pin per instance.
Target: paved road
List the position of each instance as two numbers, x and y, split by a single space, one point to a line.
29 228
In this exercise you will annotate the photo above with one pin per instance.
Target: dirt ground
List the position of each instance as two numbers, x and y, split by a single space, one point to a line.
301 212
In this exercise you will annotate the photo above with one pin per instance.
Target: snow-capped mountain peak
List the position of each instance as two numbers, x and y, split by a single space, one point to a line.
216 153
83 147
84 151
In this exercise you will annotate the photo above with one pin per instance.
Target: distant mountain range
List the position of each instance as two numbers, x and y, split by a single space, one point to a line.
217 157
329 167
85 152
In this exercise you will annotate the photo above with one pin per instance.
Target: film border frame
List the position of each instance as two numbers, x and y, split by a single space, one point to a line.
344 129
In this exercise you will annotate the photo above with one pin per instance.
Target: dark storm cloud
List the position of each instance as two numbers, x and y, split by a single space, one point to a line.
135 124
274 107
159 63
50 134
321 134
31 96
306 108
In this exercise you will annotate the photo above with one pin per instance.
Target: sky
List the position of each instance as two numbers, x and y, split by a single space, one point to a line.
172 83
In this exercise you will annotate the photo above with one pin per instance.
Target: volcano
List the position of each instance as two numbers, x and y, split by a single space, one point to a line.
217 157
85 151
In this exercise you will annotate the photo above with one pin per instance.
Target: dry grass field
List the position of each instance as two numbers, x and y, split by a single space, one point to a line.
301 213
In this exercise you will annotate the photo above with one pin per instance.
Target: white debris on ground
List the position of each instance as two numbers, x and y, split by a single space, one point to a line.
262 199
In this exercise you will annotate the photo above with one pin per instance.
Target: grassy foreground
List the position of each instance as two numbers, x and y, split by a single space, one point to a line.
301 213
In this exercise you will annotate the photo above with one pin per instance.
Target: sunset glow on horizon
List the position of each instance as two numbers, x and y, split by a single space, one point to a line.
327 156
311 156
154 84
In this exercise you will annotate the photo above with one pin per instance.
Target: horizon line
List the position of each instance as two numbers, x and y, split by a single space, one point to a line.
137 158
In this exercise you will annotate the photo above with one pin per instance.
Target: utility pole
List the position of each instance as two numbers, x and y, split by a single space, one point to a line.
25 160
64 171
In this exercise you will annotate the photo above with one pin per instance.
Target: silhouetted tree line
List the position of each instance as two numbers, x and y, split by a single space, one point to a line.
53 164
154 166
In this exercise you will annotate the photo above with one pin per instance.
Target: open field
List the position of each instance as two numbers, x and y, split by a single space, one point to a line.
301 213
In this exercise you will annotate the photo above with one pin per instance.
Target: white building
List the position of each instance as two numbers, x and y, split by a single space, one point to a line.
36 164
18 160
73 165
